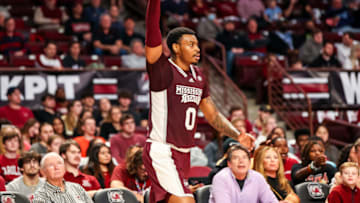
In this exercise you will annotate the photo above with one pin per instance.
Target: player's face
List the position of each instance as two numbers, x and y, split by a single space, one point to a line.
189 50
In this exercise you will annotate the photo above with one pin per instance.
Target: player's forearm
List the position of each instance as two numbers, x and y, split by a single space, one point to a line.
153 34
223 125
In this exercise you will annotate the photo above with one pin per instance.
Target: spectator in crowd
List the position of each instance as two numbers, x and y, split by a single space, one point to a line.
111 125
314 167
47 113
273 12
348 191
326 59
84 114
77 25
280 144
209 26
239 124
338 17
125 98
106 40
30 181
120 142
11 41
49 58
263 113
199 8
298 10
267 161
129 34
136 57
72 117
49 16
311 49
61 102
281 41
88 101
59 127
103 112
54 142
132 175
269 125
301 138
331 152
41 147
250 8
88 128
72 59
9 168
93 12
29 132
55 188
353 62
13 111
176 10
100 164
115 18
237 112
70 152
213 150
255 37
238 183
344 49
4 13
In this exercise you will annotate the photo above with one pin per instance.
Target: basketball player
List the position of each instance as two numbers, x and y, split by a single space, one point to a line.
177 90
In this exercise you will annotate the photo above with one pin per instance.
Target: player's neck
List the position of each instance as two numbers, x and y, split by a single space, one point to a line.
184 66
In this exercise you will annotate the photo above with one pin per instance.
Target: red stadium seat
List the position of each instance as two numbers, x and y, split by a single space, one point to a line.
112 61
16 2
22 25
19 61
20 10
55 36
90 59
199 171
332 37
35 47
3 61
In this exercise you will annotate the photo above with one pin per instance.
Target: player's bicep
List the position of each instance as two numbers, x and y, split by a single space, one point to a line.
153 53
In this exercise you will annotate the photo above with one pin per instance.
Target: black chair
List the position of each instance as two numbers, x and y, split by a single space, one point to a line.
311 192
147 196
114 195
202 194
17 197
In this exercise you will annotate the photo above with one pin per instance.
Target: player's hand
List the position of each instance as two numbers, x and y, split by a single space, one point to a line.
247 140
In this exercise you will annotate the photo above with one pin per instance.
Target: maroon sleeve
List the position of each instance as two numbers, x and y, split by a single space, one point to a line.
153 34
115 151
95 183
117 173
160 73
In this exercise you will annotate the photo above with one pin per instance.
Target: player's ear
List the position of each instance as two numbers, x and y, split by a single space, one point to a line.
176 47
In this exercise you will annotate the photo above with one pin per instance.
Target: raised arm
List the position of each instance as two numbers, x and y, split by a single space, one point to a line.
223 125
153 46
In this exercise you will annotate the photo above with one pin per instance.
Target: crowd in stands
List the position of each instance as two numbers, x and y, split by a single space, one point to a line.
98 144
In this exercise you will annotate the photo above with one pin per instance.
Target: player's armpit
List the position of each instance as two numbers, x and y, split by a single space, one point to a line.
153 53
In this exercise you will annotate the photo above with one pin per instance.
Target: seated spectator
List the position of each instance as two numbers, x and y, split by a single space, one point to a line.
9 168
314 167
77 25
88 102
46 130
129 34
267 161
4 13
103 111
237 112
106 40
282 40
30 181
263 113
132 175
72 117
176 10
100 164
339 17
301 137
273 12
348 190
298 10
47 113
111 125
199 8
125 99
353 62
59 127
49 58
213 150
54 142
326 59
331 152
238 183
269 125
88 128
13 111
311 49
344 49
209 26
250 8
49 16
61 102
136 57
11 42
55 188
93 12
296 65
29 133
70 152
115 18
280 144
258 39
120 142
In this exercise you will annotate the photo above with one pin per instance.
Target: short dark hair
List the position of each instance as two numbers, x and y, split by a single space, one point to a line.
175 34
316 31
66 145
235 148
234 108
47 95
49 42
87 94
28 156
300 132
134 162
125 117
125 94
351 35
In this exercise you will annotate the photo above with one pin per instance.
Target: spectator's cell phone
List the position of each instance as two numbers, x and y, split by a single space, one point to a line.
198 180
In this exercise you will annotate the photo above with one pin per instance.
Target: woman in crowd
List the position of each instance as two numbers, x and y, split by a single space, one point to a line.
353 62
29 132
103 112
331 151
100 164
269 125
280 144
72 117
313 167
54 142
111 124
267 161
83 115
59 127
